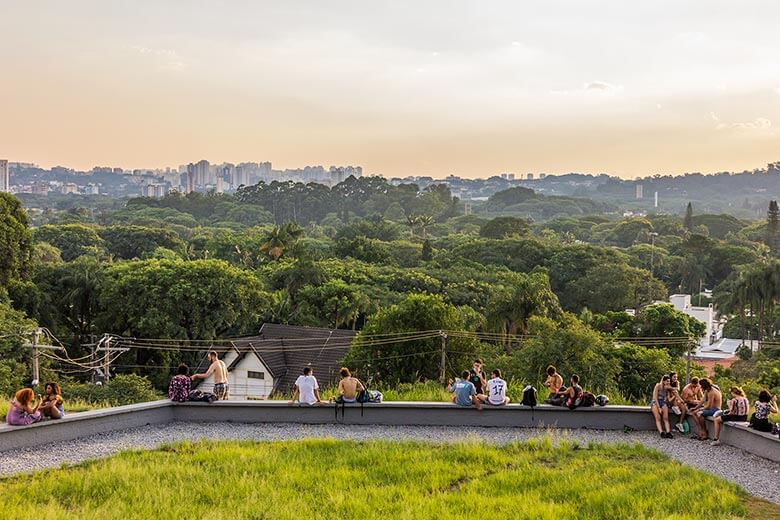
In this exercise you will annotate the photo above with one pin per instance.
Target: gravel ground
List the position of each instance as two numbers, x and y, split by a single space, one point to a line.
758 476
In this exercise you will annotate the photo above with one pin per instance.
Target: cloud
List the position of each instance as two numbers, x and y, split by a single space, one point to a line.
759 123
599 85
164 58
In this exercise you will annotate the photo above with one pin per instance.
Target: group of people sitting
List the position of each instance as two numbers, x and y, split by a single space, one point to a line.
25 409
700 399
180 386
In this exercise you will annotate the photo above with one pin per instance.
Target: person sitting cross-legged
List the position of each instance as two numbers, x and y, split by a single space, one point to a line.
464 392
22 412
496 390
179 387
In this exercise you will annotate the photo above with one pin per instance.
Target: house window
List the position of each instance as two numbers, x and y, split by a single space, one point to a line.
255 375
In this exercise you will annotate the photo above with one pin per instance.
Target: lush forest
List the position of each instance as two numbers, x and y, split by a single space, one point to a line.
380 259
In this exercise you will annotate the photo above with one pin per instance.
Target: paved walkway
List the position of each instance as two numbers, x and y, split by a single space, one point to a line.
758 476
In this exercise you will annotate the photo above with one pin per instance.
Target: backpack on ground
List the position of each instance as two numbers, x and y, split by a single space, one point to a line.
587 399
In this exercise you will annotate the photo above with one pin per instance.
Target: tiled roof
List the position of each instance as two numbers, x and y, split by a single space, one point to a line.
285 350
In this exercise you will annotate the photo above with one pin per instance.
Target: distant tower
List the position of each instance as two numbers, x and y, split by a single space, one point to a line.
640 191
5 177
467 208
190 178
655 199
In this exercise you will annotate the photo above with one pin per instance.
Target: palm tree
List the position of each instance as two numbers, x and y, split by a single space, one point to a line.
281 239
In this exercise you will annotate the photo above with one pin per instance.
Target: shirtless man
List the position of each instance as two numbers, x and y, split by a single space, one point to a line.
554 381
219 370
712 402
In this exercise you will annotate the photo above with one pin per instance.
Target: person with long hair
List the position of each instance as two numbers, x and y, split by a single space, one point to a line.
52 402
739 406
22 412
660 407
766 404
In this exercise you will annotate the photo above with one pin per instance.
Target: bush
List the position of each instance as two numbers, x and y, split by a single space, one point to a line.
13 376
123 389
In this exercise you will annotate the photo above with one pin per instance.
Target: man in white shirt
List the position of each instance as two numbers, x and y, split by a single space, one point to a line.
496 390
307 391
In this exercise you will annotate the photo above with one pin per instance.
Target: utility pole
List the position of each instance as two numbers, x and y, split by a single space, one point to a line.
36 359
104 345
36 355
442 364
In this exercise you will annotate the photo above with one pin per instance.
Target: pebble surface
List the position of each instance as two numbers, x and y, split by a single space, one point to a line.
756 475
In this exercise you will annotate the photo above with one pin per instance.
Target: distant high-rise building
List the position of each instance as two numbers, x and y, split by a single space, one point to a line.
542 175
467 208
5 177
655 201
202 173
640 191
69 188
530 176
189 185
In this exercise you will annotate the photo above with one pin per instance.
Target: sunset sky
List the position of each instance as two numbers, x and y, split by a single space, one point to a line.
399 87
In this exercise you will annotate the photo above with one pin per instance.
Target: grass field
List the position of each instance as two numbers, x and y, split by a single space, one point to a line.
327 479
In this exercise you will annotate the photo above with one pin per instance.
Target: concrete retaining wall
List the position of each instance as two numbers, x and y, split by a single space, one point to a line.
420 414
82 424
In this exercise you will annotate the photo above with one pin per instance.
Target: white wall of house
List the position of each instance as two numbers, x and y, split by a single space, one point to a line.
706 315
249 379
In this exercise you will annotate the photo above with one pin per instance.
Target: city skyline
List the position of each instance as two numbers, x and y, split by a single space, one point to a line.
401 89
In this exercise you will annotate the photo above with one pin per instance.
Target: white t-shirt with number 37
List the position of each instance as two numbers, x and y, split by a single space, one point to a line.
496 391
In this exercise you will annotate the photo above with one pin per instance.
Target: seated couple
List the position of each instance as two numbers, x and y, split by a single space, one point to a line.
24 410
465 393
560 395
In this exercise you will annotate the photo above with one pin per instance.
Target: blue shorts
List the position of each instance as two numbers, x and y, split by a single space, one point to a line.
709 412
661 403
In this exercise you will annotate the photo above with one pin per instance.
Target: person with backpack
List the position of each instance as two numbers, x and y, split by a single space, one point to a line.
496 390
349 387
465 394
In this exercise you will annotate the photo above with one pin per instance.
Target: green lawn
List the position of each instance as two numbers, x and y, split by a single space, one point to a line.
326 479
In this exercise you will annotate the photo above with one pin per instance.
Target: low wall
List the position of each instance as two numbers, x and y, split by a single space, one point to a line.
83 424
419 414
740 435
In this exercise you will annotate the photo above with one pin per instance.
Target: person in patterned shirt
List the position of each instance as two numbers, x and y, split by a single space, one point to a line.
179 388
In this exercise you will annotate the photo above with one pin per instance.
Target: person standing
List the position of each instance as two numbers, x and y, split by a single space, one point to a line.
217 368
307 390
477 376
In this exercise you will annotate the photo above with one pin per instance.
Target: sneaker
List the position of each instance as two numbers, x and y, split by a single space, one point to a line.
716 442
676 410
663 435
680 427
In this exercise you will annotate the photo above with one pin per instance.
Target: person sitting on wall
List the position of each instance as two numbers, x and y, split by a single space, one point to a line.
659 406
554 381
711 404
22 412
766 404
52 401
348 387
307 390
739 406
179 387
464 392
496 390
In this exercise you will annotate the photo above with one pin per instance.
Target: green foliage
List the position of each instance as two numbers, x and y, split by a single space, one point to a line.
663 321
15 239
639 370
122 389
73 240
410 361
129 242
504 227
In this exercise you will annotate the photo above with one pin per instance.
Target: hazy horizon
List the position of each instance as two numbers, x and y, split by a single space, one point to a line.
464 88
